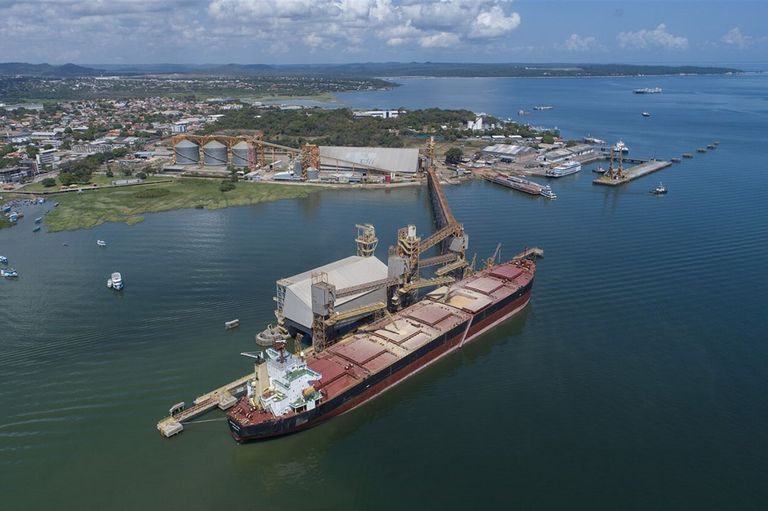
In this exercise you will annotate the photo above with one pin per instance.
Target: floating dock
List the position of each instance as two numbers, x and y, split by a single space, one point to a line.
224 397
632 173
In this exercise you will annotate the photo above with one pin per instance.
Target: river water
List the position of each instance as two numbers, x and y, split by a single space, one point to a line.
635 379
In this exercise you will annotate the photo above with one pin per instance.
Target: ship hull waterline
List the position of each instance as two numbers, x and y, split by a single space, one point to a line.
368 389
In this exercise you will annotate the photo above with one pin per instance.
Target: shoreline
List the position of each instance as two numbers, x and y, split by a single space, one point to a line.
96 206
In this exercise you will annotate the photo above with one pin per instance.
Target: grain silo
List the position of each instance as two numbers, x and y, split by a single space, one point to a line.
241 154
215 153
187 153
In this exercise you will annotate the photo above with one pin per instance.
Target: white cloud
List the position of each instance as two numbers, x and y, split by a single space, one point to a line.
655 38
439 40
196 30
735 38
577 42
426 23
494 23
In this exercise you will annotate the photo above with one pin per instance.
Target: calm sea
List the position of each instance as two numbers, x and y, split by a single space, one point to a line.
636 378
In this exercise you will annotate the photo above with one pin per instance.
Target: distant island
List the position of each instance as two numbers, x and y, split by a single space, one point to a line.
357 70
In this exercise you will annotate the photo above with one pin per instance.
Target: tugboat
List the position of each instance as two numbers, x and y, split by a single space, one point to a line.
115 281
9 273
659 190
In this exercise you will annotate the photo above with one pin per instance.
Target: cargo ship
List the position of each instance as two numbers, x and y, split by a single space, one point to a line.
291 392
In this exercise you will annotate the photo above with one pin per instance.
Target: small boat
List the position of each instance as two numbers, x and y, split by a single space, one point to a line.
599 170
711 146
648 90
547 192
38 219
646 114
676 160
8 273
701 150
101 243
659 190
687 155
115 281
36 229
231 324
543 107
593 140
3 260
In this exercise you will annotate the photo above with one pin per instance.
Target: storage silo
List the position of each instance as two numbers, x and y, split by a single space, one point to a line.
215 153
241 154
187 153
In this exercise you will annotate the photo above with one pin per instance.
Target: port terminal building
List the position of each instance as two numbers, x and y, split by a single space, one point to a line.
294 294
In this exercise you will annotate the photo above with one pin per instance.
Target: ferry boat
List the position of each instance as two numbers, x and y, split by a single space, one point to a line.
292 392
115 281
648 90
8 273
564 169
101 243
620 147
522 185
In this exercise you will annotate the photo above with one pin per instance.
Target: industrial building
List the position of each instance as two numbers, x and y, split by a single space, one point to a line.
388 159
295 292
253 152
510 152
380 114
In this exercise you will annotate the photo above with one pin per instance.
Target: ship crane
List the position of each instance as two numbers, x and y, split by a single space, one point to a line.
491 261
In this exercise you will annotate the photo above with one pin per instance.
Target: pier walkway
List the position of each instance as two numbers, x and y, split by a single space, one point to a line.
224 397
633 173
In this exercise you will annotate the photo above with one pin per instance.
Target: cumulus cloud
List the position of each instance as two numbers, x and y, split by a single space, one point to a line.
439 40
655 38
189 30
735 38
577 42
427 23
494 23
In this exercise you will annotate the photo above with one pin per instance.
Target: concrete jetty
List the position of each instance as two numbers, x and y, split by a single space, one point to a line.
632 173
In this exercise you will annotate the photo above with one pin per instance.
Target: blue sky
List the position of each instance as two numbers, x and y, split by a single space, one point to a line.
326 31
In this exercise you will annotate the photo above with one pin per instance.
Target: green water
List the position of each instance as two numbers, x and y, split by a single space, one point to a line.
634 380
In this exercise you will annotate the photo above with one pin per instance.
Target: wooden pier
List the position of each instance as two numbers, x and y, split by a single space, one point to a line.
224 397
632 173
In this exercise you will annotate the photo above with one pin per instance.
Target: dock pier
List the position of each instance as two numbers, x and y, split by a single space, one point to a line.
632 173
224 397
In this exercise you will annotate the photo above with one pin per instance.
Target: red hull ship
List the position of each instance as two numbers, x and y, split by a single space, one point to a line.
290 393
